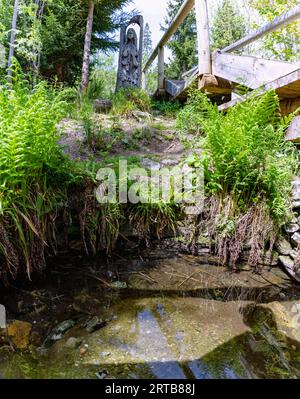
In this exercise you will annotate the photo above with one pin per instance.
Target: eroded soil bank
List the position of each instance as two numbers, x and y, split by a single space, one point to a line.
152 313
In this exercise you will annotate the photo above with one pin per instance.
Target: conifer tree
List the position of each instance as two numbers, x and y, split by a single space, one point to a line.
228 25
183 42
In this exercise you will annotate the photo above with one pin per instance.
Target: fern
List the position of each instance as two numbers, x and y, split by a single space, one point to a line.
244 152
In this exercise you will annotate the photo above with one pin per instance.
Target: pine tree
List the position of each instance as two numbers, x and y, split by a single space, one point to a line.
147 42
183 43
228 26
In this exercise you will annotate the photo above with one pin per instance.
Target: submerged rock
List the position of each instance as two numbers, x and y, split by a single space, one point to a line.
73 343
2 317
95 324
101 375
61 329
119 284
19 334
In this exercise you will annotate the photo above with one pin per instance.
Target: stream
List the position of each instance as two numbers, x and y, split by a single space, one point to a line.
156 315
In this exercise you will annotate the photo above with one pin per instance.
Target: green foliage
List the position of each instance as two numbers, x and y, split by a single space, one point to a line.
190 118
228 25
166 108
283 44
59 34
33 171
103 79
183 43
126 101
245 154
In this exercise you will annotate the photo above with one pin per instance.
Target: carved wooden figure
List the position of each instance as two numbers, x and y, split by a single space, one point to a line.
130 57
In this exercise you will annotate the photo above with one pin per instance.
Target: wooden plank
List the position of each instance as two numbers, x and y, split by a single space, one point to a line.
183 86
249 71
204 56
287 87
174 87
183 12
279 22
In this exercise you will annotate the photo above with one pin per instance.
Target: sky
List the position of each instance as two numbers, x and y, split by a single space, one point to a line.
153 12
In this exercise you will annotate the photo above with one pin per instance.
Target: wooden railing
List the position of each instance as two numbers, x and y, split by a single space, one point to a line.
205 59
202 35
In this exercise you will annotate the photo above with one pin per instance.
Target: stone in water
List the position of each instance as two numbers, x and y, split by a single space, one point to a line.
2 317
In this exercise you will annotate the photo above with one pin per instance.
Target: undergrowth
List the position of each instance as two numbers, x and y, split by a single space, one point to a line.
248 170
126 101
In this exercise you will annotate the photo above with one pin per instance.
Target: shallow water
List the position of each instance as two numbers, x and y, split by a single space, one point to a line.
161 336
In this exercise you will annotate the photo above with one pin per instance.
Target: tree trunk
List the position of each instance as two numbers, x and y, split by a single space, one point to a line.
40 7
12 41
87 48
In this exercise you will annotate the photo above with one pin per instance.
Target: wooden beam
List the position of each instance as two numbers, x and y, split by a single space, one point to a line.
288 106
175 24
279 22
214 84
287 87
204 56
251 72
161 69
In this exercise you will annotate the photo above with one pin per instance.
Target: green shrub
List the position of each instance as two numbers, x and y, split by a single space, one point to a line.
166 108
190 118
126 101
96 87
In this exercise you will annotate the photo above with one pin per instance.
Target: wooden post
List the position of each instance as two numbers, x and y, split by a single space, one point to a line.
204 55
161 69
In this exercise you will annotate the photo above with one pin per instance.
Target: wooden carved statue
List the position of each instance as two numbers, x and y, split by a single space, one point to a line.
130 58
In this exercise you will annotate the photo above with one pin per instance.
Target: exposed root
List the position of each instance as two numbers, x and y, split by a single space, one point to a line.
232 230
